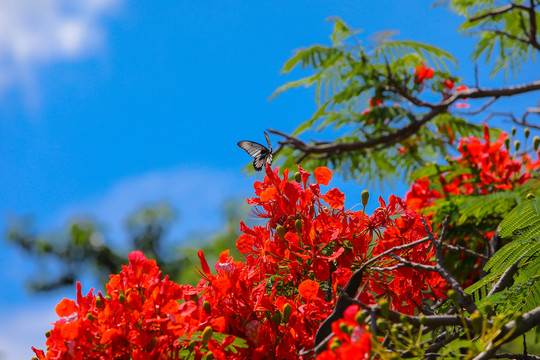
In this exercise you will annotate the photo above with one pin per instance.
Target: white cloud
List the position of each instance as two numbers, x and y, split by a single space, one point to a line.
35 33
197 193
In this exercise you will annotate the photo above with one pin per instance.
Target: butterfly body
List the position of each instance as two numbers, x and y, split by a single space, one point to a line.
260 153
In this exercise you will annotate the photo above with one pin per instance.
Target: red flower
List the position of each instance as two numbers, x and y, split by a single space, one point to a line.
422 73
448 84
273 300
374 102
323 175
335 198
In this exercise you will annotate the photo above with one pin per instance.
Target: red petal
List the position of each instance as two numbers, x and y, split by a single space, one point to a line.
323 175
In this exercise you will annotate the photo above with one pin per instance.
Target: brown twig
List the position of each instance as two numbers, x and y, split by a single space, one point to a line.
498 11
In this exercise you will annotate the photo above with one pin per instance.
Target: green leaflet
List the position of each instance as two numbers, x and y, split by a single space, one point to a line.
523 291
523 218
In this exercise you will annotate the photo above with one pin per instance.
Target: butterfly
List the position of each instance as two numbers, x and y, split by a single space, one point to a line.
259 152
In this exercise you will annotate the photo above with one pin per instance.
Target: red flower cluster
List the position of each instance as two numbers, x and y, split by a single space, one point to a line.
422 73
271 304
492 169
140 318
350 340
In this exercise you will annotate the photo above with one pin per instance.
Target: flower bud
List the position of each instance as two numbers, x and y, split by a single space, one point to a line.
488 307
206 335
207 307
381 324
268 315
297 177
513 130
530 196
210 356
287 310
519 317
452 295
122 298
361 316
344 329
298 225
48 333
276 317
365 197
507 143
517 144
527 133
536 143
280 231
385 308
98 303
90 317
422 319
476 321
335 344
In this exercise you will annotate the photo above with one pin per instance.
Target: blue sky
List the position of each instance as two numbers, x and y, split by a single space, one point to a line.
110 104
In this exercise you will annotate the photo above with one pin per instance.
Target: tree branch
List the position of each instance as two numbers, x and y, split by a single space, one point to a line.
407 131
498 11
516 356
529 321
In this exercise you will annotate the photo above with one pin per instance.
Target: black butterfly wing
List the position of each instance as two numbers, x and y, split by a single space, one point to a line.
268 142
259 152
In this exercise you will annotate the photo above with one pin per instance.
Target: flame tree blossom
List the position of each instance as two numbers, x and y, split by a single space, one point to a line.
268 305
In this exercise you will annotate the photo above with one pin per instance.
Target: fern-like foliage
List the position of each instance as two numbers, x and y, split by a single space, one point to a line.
515 268
359 87
506 31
